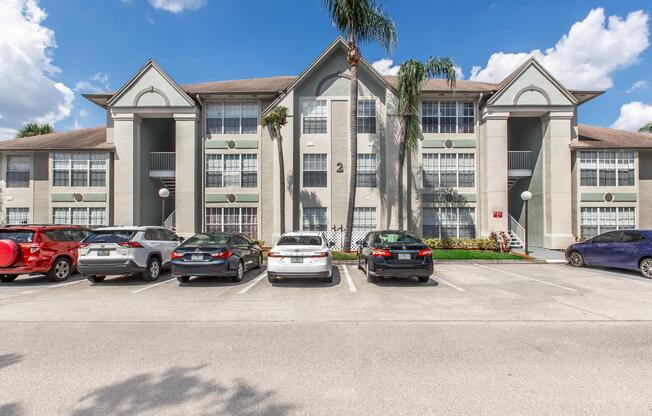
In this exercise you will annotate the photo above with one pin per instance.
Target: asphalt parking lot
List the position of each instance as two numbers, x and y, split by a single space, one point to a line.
476 339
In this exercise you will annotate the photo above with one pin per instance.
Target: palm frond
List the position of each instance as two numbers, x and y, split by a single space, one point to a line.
363 19
646 129
275 120
442 68
34 129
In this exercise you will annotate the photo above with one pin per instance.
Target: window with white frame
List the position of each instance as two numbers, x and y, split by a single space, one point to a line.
366 176
17 216
607 168
445 222
364 219
232 220
597 220
232 117
315 219
86 216
315 117
447 116
79 169
234 170
367 116
18 171
315 170
448 170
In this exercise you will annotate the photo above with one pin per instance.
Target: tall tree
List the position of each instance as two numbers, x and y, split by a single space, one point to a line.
34 129
646 129
412 76
360 21
275 120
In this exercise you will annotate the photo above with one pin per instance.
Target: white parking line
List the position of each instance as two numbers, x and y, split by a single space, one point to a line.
153 285
349 281
570 289
252 283
459 289
66 284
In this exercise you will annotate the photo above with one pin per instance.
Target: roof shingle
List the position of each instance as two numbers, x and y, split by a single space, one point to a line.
603 138
82 139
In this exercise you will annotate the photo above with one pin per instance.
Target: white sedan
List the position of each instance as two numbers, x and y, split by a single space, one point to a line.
300 254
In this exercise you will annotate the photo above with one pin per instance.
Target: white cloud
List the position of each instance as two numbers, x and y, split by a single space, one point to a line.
636 86
29 91
177 6
83 113
633 116
385 66
459 72
97 83
586 56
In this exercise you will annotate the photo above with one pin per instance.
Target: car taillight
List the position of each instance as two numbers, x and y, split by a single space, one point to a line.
221 254
426 252
176 255
273 254
130 244
83 245
379 252
321 254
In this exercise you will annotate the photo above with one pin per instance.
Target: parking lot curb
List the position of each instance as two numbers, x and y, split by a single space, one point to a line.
529 261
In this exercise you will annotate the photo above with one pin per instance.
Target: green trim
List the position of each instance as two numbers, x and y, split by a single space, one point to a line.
599 196
69 197
432 144
464 143
438 197
457 143
239 144
625 197
62 197
238 198
95 197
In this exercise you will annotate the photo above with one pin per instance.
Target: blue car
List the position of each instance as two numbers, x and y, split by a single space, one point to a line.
629 249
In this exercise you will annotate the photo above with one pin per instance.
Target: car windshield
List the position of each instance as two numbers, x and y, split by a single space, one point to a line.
299 240
110 236
19 236
199 240
396 237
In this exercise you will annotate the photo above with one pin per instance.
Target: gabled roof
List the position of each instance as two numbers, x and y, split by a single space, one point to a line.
82 139
339 42
441 85
507 82
149 65
595 137
253 85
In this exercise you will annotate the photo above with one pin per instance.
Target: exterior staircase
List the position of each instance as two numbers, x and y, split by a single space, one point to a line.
516 233
168 183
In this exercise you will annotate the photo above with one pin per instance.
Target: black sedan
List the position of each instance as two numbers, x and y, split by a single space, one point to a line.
394 254
215 254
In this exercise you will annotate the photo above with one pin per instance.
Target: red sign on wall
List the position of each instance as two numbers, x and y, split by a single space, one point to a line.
498 214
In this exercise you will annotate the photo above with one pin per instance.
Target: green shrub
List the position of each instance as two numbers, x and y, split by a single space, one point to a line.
459 243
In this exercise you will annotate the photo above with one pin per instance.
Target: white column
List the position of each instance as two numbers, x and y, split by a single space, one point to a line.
127 166
494 165
187 174
558 206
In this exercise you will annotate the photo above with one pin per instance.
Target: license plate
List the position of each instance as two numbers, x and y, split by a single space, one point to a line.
296 260
197 257
404 256
102 252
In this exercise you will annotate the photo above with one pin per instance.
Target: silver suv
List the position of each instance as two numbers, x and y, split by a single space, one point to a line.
140 251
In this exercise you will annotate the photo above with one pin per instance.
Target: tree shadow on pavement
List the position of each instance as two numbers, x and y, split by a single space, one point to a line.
180 390
9 359
11 409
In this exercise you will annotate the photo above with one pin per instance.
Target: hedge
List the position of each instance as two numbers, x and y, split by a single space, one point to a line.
458 243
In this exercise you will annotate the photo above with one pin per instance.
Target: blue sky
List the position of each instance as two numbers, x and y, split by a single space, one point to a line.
102 43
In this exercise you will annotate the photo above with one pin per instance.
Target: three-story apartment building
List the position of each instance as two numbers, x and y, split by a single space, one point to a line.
482 145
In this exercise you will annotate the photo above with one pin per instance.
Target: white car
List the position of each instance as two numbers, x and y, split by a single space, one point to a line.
300 254
140 251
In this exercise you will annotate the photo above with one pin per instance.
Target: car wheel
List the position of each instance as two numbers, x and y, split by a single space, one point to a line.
260 262
575 259
370 278
328 279
424 279
183 279
239 273
60 271
359 264
272 279
646 268
95 279
153 270
8 278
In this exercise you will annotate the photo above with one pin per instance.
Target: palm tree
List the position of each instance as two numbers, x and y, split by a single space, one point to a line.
412 76
34 129
646 129
275 120
360 21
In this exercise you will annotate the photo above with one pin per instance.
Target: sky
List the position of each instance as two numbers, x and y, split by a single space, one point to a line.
52 51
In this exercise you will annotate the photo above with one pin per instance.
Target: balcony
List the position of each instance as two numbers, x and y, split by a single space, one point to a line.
519 164
162 164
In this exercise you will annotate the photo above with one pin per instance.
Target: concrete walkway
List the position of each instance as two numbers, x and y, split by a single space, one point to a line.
550 256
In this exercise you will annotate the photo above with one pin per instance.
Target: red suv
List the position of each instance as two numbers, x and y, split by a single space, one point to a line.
35 249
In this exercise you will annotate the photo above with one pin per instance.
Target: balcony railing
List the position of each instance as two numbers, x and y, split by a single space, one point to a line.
162 164
520 163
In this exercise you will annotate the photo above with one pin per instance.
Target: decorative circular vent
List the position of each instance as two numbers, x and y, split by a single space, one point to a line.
448 144
231 197
449 198
78 197
608 197
231 144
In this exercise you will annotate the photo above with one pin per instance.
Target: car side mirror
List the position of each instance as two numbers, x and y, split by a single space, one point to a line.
359 242
331 244
257 243
180 239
